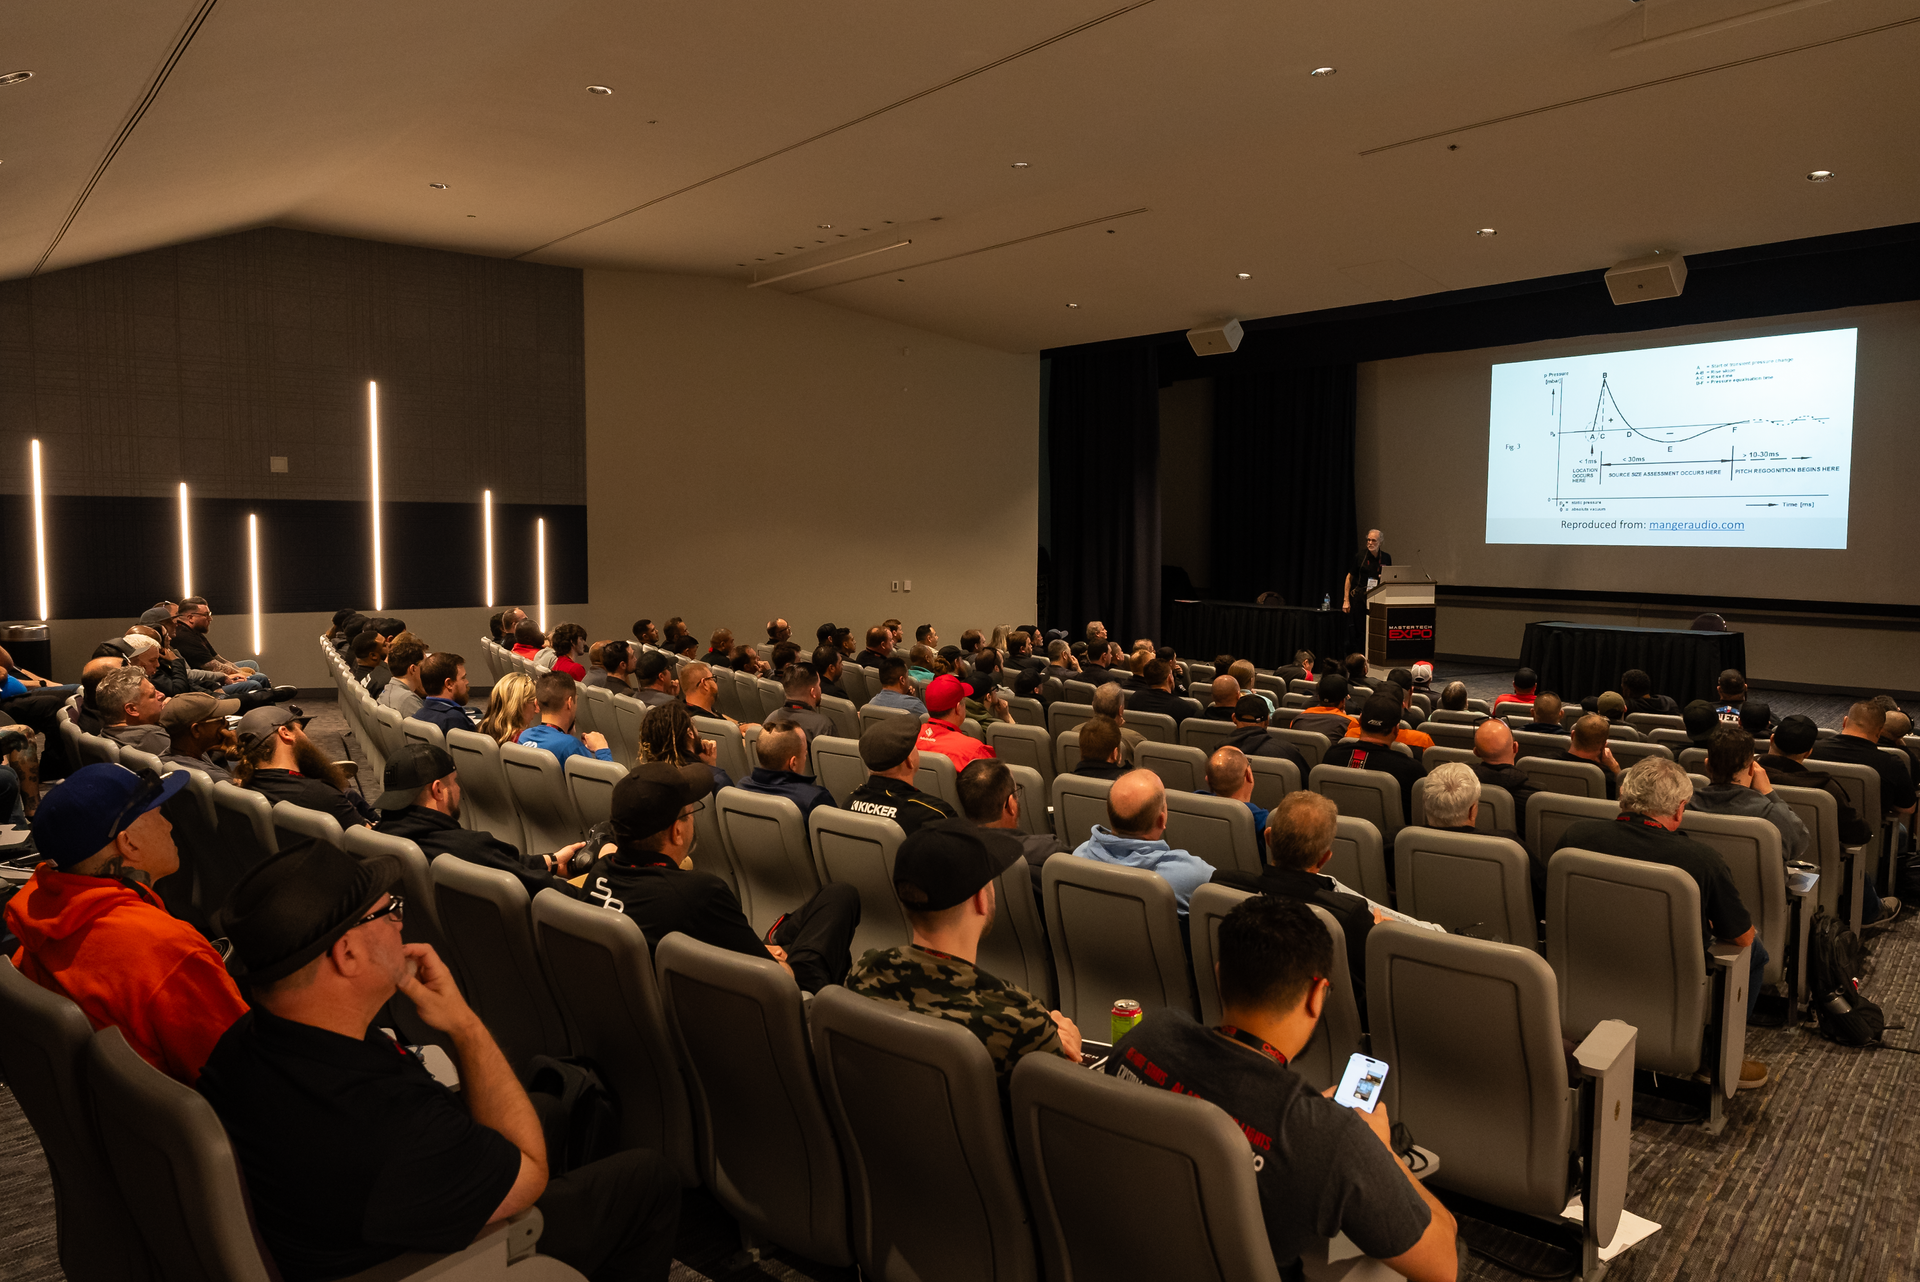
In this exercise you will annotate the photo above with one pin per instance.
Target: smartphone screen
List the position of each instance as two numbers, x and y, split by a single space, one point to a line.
1360 1084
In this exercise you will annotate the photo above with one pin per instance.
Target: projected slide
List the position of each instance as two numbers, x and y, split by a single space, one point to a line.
1745 443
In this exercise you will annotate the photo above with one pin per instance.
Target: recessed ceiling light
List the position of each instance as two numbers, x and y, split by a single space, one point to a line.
599 89
15 77
1820 176
823 226
438 186
1324 72
1246 275
1021 164
1486 231
1073 305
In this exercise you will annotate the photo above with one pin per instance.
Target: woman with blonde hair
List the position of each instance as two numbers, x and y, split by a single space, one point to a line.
511 708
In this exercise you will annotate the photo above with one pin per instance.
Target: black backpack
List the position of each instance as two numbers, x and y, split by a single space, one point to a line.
1833 958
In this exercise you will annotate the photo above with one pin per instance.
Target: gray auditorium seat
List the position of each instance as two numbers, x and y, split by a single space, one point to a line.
539 789
1448 733
1549 814
1273 778
932 1187
1016 948
858 850
1079 802
1115 933
1840 869
1155 727
1440 754
243 836
837 766
612 999
1033 793
1630 755
590 787
873 713
1217 829
293 823
485 916
762 1140
1862 787
1310 744
772 694
1360 859
1624 940
1080 691
1205 734
1181 768
1190 1194
1373 795
766 841
1750 847
1066 752
938 778
1067 716
97 750
846 717
624 742
731 747
1472 1029
414 730
1466 879
1573 778
1647 721
486 804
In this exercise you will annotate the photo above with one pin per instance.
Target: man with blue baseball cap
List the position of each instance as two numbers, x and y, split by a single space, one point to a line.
92 930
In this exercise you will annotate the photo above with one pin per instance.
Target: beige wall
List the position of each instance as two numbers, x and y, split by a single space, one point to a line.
755 454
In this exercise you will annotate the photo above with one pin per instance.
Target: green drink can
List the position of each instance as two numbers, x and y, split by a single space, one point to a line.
1126 1013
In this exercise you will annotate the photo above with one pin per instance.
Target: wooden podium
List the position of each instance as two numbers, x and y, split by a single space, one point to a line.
1400 616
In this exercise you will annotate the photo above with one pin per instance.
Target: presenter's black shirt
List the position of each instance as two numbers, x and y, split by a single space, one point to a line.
1366 565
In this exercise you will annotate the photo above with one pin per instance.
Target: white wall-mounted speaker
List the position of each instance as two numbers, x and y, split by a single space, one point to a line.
1215 340
1639 279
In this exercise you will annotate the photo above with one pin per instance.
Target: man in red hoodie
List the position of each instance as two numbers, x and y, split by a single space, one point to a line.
91 929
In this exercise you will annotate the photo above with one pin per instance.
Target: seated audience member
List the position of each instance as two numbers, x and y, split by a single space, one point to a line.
130 711
196 725
719 649
189 637
353 1154
1252 736
896 689
926 635
527 640
970 641
1096 633
445 689
989 798
1699 718
1227 698
1061 665
1110 701
569 649
1785 764
890 749
944 876
1418 740
781 751
558 696
278 761
683 645
658 683
1858 743
611 672
1453 801
1355 668
946 701
675 629
1494 745
984 704
785 655
422 804
1318 1169
896 632
1372 749
1525 683
879 647
87 717
1328 715
1636 687
1422 673
802 707
1020 655
1756 718
668 736
404 693
1547 710
700 692
746 659
1741 787
650 877
1156 693
1653 797
1613 706
1731 690
1454 697
1588 742
920 661
1134 836
645 633
779 631
91 930
828 663
1243 673
370 662
1100 750
1229 776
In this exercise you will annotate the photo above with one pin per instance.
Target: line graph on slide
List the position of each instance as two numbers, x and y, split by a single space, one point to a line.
1732 441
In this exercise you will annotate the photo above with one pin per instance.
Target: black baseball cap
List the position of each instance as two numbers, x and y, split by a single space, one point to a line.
1251 708
1795 734
408 771
1699 718
1380 713
652 796
944 862
291 907
1756 718
888 741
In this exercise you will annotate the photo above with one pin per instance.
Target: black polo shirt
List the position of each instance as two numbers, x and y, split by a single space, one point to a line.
1353 913
438 834
1257 741
1357 754
898 800
662 898
314 794
1896 785
352 1152
1722 915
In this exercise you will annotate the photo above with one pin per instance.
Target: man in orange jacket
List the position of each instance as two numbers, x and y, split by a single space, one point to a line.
92 930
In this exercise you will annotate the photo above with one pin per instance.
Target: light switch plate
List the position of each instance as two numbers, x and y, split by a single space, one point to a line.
277 463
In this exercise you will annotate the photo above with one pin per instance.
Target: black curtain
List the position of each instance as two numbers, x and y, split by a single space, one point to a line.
1289 525
1103 431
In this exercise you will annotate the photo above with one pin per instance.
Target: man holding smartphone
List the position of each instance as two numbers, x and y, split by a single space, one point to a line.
1319 1170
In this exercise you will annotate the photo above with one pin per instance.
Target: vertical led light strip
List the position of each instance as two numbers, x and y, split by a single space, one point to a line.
186 548
373 439
253 567
540 555
39 532
486 531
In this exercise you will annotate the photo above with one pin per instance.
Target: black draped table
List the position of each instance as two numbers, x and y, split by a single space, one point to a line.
1267 634
1575 660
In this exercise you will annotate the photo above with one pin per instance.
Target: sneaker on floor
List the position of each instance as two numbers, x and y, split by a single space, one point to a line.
1753 1074
1889 909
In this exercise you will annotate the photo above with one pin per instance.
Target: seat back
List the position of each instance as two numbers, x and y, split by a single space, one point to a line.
1862 786
873 714
613 1002
1027 711
1645 721
1573 778
1205 734
1066 752
486 803
1630 755
1310 744
1750 846
1022 745
1080 691
383 738
1373 795
729 697
43 1057
414 730
858 850
624 740
933 1193
732 749
1154 727
1187 1176
1033 793
766 840
96 750
243 836
1065 716
1821 815
937 777
293 823
837 766
1115 933
1447 731
1079 802
1461 879
590 788
163 1139
1273 778
1624 940
763 1144
1549 814
485 916
598 702
1016 948
1440 754
846 717
1472 1029
539 789
1218 829
1360 858
1181 768
772 695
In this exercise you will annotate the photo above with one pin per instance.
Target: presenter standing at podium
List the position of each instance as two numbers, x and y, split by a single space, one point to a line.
1362 575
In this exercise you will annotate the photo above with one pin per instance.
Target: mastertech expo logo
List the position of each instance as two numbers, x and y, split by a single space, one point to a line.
1418 632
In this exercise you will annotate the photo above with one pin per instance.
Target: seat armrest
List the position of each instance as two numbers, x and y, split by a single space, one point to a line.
485 1259
1605 1131
1732 965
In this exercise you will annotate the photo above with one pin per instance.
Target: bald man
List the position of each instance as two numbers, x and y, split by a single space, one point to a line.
1226 697
1494 746
1134 836
1229 776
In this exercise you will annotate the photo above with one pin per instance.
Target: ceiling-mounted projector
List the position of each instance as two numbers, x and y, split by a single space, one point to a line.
1215 340
1657 275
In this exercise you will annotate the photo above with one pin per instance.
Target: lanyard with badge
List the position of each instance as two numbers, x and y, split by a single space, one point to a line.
1245 1038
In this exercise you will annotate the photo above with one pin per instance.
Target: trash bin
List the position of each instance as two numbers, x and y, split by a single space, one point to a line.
29 646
